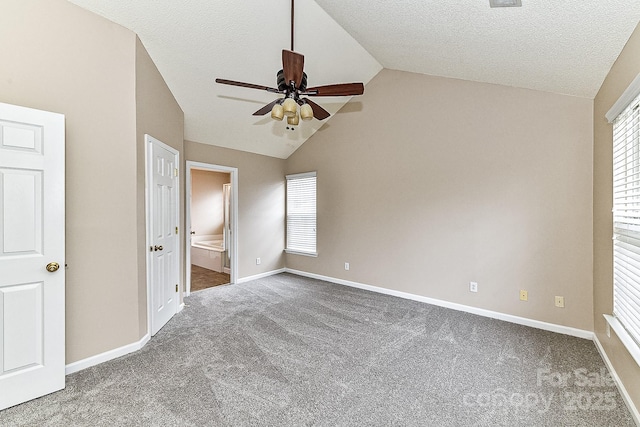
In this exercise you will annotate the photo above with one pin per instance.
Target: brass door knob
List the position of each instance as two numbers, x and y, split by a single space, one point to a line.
157 248
52 267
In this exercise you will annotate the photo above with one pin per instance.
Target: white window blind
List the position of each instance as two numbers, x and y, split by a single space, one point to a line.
301 213
626 219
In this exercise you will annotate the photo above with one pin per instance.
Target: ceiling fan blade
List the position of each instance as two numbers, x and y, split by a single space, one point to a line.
341 89
293 66
267 108
247 85
318 112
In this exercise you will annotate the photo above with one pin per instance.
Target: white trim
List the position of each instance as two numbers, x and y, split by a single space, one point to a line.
625 99
261 275
301 175
621 388
294 252
566 330
627 341
234 218
180 307
106 356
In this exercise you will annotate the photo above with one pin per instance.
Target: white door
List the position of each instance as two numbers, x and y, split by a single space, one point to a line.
163 240
32 280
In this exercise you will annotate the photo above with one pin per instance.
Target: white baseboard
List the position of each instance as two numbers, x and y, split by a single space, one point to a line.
261 275
623 391
635 414
567 330
130 348
106 356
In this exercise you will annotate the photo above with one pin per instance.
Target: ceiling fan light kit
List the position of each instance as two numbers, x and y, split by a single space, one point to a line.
277 112
290 107
306 112
293 120
292 83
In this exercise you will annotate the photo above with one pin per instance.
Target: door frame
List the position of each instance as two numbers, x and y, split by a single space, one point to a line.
234 218
148 140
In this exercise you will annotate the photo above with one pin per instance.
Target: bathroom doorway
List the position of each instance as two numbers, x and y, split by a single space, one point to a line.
212 226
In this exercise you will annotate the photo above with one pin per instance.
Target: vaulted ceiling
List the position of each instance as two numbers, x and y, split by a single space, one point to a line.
563 47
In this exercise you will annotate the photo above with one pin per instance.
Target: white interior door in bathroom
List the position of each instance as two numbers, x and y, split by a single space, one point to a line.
162 234
32 276
227 229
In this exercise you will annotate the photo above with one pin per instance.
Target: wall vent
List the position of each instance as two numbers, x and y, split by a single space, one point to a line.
505 3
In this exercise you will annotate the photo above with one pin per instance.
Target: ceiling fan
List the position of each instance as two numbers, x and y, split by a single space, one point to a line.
292 83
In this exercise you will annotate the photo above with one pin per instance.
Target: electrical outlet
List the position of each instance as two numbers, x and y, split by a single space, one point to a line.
258 261
524 295
473 286
346 266
559 301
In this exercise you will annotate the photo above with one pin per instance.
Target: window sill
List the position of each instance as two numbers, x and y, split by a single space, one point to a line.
311 254
631 346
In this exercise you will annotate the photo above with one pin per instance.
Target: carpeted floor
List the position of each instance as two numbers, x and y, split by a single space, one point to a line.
203 278
292 351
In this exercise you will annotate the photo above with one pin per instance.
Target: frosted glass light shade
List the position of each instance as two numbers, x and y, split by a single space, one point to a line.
277 112
290 107
306 112
293 121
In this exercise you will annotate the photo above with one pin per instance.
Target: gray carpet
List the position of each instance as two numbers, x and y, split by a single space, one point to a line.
291 351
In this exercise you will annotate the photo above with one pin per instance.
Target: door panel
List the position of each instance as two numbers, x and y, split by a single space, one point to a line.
32 359
22 326
21 211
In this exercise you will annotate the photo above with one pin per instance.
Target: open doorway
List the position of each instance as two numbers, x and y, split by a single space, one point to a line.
212 225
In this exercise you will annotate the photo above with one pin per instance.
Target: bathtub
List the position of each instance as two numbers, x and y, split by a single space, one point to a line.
207 252
212 245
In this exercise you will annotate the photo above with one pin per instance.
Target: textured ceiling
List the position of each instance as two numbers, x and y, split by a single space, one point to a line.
193 42
563 46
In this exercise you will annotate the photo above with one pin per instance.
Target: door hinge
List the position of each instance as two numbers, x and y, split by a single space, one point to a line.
175 172
176 230
176 287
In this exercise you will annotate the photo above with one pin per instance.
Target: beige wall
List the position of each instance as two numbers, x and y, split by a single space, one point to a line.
260 204
159 115
438 182
207 201
626 68
58 57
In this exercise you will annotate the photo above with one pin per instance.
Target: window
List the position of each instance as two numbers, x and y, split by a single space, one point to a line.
626 226
301 214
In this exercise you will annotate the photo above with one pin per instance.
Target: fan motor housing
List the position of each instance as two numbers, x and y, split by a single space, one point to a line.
284 86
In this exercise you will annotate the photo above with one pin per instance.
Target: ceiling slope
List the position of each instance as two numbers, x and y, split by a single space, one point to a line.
565 47
196 41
